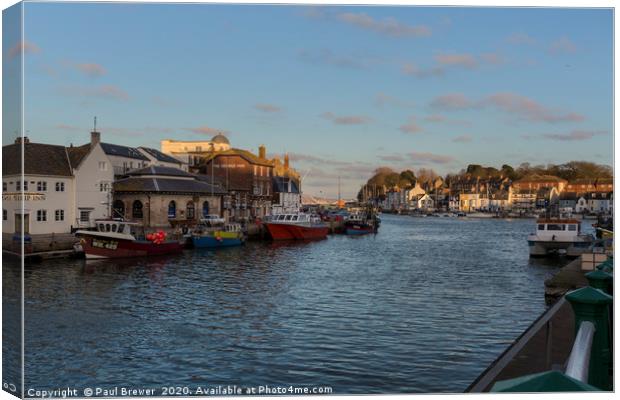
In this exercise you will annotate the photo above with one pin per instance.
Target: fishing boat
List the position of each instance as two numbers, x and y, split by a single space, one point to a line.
555 235
212 236
118 239
359 224
298 226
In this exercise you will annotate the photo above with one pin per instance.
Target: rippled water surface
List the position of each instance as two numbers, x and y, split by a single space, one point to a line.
424 306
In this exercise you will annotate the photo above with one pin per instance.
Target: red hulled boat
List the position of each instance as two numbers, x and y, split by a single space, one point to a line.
113 239
296 227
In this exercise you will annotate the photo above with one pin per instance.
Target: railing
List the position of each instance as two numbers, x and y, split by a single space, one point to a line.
579 360
589 366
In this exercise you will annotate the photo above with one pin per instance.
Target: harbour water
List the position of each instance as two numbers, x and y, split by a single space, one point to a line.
423 306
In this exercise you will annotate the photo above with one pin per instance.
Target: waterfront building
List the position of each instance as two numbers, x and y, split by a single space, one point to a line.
591 185
63 188
524 200
567 201
581 205
161 197
599 202
286 196
423 202
47 189
469 202
93 176
246 178
500 200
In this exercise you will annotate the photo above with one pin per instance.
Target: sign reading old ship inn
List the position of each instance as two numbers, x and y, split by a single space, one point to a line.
23 196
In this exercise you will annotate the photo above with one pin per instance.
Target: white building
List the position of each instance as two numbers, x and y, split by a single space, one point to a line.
46 189
286 195
63 187
423 202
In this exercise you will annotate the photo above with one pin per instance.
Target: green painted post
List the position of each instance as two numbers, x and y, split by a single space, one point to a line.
600 280
592 305
549 381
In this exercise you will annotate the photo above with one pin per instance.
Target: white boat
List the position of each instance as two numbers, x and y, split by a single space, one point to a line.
555 235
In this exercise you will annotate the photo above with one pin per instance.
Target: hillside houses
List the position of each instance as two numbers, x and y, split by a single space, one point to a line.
532 193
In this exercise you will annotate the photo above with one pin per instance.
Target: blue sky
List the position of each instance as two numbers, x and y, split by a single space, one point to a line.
343 89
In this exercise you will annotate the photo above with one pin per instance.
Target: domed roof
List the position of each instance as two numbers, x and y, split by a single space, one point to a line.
219 138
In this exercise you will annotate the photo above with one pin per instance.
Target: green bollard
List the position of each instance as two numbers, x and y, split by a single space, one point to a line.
549 381
600 279
592 305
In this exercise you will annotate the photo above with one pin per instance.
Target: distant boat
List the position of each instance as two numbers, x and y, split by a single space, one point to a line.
215 236
114 239
298 226
358 224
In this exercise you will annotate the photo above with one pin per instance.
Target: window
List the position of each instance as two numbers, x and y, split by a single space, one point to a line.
4 215
84 216
41 215
60 186
103 187
4 187
103 166
205 208
189 210
172 210
136 209
59 215
541 227
198 148
555 227
25 186
118 209
41 186
572 227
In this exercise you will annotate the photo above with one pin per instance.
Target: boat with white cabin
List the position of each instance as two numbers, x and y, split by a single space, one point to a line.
558 235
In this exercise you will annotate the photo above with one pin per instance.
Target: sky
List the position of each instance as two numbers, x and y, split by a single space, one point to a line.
343 89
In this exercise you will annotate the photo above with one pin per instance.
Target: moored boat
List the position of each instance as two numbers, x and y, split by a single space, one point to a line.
299 226
554 235
215 236
358 224
114 239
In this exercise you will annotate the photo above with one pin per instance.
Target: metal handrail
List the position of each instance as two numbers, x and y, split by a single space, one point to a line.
579 359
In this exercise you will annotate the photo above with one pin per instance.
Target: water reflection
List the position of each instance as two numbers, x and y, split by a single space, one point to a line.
424 306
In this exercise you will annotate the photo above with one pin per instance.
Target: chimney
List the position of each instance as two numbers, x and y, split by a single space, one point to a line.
262 152
286 161
95 137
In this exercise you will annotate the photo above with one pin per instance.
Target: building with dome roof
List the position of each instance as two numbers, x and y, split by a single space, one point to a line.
188 151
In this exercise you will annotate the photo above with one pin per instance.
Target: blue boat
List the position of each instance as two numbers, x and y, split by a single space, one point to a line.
227 236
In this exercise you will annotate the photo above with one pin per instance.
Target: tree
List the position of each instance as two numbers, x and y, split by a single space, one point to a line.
407 177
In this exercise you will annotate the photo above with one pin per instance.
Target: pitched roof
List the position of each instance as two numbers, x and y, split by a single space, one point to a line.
251 158
280 185
77 154
165 185
123 151
159 156
40 159
160 171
